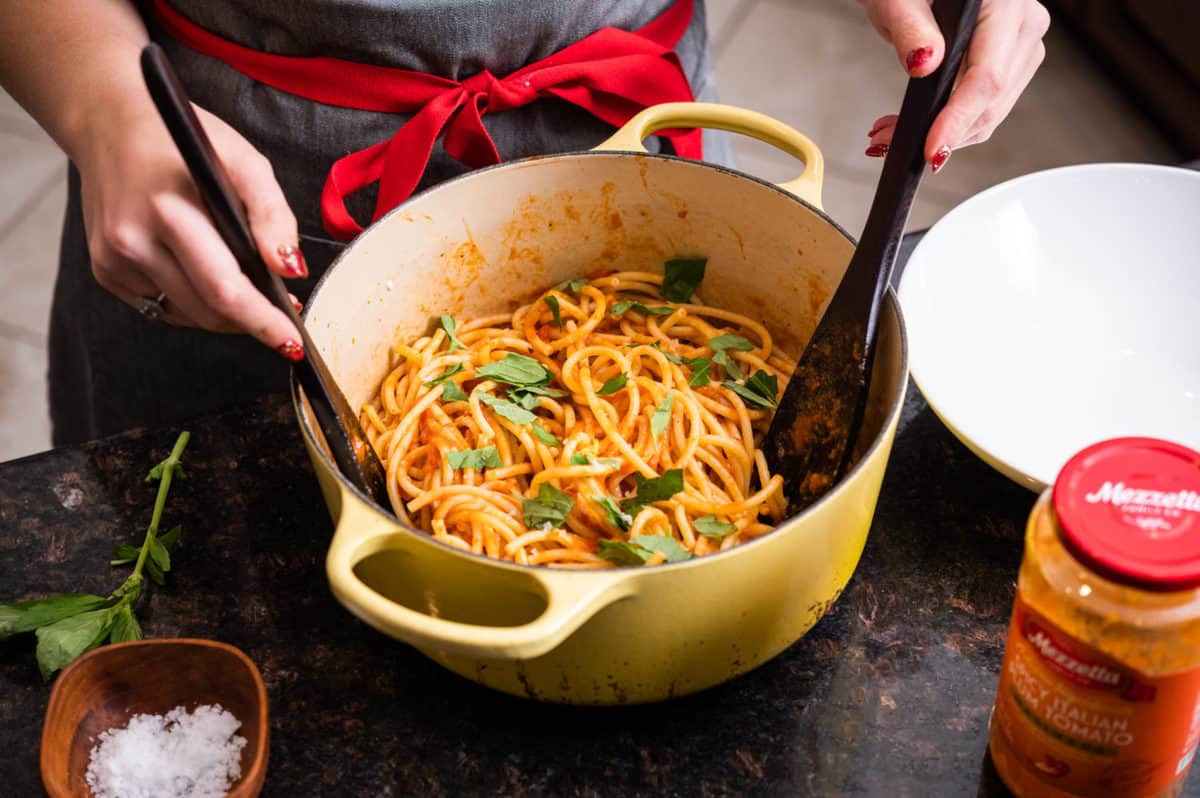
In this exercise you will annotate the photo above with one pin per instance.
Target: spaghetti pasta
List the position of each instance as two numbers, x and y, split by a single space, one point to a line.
611 421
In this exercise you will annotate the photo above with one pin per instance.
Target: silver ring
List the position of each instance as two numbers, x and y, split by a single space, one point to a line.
152 309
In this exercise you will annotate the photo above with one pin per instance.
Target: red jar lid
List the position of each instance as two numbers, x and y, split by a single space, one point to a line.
1129 509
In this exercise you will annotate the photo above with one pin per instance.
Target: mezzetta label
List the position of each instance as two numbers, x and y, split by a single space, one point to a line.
1079 668
1086 724
1118 495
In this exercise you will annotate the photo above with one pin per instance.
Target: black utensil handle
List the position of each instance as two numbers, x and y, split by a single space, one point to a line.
905 163
215 188
333 413
817 423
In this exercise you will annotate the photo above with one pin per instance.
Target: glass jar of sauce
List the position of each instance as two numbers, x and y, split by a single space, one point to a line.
1099 691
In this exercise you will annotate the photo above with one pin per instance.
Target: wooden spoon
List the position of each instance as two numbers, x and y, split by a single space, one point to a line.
352 452
812 434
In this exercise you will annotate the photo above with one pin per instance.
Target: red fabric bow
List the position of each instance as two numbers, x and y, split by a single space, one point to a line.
612 74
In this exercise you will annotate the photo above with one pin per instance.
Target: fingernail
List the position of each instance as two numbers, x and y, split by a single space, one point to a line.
939 158
291 350
917 58
293 260
876 129
296 303
877 150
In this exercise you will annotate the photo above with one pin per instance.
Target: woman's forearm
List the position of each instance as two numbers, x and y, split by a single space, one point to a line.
72 63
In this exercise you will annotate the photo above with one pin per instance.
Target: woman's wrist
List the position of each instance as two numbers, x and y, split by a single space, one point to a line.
94 120
73 64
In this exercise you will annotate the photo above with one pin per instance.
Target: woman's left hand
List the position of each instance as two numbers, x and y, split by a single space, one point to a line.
1005 51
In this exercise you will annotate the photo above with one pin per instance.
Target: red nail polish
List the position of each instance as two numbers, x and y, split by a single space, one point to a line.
877 150
875 130
299 307
291 350
939 158
293 260
917 58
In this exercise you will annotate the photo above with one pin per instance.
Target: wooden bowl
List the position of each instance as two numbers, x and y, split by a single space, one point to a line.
104 688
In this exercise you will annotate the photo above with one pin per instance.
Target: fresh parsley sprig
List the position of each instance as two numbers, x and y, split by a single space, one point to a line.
712 527
572 286
68 625
721 346
519 370
616 516
661 416
475 459
700 366
450 325
613 385
519 415
619 308
681 277
527 396
552 506
658 489
452 393
555 310
640 548
611 463
761 390
446 374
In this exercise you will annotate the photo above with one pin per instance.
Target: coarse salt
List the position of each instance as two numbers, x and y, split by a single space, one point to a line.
177 755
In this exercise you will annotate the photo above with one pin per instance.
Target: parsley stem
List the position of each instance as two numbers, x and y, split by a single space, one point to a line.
164 487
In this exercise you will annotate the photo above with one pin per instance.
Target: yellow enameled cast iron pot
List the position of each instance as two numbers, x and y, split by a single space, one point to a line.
491 239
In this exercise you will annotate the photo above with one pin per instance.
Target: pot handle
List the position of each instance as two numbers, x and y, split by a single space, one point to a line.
571 597
735 120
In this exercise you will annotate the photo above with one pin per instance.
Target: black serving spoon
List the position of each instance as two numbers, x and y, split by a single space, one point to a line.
351 450
812 435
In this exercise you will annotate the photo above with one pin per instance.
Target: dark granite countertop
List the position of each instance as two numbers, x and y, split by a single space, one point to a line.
888 695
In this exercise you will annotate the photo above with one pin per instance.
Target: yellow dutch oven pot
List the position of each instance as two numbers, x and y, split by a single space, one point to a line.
492 239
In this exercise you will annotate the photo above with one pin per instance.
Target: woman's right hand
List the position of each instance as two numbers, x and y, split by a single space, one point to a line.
149 235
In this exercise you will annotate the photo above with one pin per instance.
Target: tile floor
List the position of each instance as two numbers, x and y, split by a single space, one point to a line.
837 77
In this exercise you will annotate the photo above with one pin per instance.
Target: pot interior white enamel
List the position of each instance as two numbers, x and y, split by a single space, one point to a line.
496 237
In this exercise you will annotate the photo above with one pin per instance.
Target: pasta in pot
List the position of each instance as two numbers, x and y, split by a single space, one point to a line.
612 421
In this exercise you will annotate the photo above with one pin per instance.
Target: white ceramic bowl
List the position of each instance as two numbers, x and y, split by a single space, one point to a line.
1059 309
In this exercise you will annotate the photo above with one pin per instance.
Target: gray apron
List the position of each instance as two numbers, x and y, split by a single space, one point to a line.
112 370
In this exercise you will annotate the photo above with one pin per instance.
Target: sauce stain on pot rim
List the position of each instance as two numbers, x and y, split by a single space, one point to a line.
526 221
643 160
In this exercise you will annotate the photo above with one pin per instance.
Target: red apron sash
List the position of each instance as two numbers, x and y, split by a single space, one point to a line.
612 74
